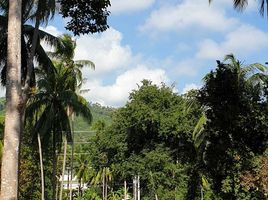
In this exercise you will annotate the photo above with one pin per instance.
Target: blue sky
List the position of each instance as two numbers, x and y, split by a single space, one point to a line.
171 41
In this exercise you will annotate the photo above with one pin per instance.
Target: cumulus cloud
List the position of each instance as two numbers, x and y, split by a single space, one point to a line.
123 6
189 87
188 14
117 93
105 50
186 68
244 40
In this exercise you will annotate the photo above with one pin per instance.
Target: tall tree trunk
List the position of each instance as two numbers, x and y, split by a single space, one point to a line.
72 158
103 185
63 167
41 167
106 188
9 178
30 69
54 180
125 190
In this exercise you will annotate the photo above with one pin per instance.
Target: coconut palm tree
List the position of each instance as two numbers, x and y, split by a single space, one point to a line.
65 54
37 12
83 170
53 97
9 174
103 176
240 5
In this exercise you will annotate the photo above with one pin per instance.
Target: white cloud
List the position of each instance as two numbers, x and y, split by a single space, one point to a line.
186 68
52 30
105 50
124 6
189 14
117 93
189 87
244 40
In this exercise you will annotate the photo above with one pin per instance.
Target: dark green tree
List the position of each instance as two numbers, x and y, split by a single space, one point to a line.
86 16
236 127
152 137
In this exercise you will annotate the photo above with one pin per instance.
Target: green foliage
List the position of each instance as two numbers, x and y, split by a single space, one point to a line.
236 127
85 16
151 137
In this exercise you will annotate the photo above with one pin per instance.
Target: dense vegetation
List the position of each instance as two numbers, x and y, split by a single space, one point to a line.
157 137
210 143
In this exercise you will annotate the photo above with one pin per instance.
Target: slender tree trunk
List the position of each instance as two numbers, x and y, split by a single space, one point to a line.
54 180
72 159
9 178
138 187
63 167
125 190
106 189
103 185
30 69
41 167
80 187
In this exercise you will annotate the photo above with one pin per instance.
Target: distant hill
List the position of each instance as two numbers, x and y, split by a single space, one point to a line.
98 112
83 131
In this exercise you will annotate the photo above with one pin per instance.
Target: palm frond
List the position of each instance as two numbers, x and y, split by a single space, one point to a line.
198 133
240 5
85 63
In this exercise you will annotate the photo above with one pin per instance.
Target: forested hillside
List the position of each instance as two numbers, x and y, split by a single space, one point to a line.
99 113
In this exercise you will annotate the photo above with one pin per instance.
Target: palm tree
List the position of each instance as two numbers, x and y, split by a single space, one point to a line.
65 54
9 174
253 74
53 97
240 5
103 176
30 45
84 171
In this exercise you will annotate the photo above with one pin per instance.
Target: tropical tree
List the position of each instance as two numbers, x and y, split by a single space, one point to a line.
14 83
53 97
103 176
65 53
13 89
84 171
235 126
253 74
9 170
240 5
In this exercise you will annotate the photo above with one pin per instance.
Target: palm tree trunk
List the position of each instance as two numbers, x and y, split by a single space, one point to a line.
30 68
125 190
9 178
103 185
106 189
54 180
41 167
63 167
72 159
